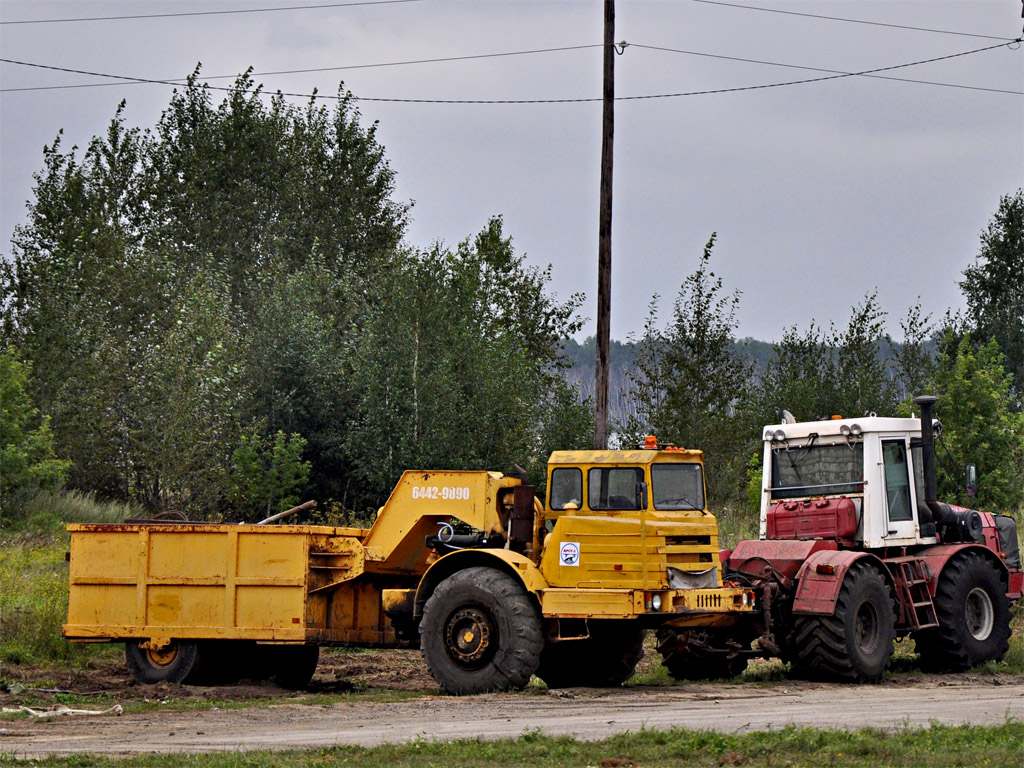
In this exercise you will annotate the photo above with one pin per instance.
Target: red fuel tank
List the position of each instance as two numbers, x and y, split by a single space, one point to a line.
832 518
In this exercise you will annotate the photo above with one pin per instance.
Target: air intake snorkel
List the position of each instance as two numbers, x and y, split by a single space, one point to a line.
953 525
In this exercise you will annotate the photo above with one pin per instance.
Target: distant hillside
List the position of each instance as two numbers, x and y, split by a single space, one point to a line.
623 355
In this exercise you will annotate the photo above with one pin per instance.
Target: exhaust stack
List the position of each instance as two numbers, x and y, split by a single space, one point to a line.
954 525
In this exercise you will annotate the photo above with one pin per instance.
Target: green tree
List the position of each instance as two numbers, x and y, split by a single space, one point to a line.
994 287
27 456
821 373
459 365
980 425
688 377
267 474
914 361
254 225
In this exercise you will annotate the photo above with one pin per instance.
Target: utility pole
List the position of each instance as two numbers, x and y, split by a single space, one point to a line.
604 236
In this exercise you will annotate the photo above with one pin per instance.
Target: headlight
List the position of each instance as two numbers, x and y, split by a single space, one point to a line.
656 602
855 430
845 430
780 435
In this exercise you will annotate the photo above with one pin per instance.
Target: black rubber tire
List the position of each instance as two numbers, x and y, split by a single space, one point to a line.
605 659
480 632
854 644
180 662
290 666
696 665
973 614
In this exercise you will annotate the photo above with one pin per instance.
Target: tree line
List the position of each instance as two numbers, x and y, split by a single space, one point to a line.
694 385
221 315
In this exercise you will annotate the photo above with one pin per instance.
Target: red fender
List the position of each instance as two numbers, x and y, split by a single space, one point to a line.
937 557
821 577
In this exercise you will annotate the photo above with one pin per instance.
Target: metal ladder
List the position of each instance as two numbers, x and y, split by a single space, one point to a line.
911 577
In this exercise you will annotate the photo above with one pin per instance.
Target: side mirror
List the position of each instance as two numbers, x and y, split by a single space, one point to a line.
971 480
641 495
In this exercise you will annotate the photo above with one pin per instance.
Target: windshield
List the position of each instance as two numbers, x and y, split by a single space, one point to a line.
677 486
817 470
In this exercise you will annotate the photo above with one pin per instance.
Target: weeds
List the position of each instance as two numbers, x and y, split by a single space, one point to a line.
34 575
937 745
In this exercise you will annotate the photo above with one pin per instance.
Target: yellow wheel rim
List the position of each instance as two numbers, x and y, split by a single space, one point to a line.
163 657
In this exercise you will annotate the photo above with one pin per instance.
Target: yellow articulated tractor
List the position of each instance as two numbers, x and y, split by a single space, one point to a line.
491 583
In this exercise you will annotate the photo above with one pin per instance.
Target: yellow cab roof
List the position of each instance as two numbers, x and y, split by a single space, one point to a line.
635 456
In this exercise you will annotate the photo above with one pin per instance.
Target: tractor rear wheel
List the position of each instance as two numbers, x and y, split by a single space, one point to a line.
855 643
177 662
688 661
973 614
480 632
608 657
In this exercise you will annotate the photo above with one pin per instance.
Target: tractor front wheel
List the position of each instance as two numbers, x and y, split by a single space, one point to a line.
855 643
973 614
480 632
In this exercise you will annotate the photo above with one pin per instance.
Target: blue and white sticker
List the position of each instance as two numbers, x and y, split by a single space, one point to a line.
569 554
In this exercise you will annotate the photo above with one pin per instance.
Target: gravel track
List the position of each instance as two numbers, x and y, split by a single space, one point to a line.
585 714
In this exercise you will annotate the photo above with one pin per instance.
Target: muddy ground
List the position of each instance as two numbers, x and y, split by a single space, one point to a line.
324 715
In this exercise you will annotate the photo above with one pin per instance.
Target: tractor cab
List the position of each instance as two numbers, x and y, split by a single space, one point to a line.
664 481
859 481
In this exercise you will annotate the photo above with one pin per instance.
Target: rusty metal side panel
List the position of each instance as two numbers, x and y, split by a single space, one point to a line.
784 556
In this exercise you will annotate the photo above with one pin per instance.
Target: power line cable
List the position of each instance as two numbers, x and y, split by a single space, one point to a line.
210 13
850 21
831 71
549 101
324 69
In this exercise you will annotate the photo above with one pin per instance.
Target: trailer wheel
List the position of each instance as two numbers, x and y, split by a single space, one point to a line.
973 614
480 632
605 659
179 662
855 643
686 662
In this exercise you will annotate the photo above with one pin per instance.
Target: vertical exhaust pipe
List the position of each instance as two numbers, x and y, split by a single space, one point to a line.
926 403
954 525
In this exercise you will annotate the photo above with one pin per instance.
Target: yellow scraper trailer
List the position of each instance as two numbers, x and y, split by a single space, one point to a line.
493 584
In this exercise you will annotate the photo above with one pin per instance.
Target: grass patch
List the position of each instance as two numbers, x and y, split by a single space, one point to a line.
937 745
34 575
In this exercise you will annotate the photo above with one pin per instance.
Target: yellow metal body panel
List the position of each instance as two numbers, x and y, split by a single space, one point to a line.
609 563
188 581
423 499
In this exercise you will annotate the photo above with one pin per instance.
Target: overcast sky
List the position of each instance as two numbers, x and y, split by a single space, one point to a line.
820 193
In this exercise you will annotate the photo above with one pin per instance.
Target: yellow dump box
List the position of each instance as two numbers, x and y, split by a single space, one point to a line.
167 581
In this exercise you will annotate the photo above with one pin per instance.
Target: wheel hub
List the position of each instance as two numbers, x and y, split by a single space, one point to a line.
866 627
162 657
979 613
468 637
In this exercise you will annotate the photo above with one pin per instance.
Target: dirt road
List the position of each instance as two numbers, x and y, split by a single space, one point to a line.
586 714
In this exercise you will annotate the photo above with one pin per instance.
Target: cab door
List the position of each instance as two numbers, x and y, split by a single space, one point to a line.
900 507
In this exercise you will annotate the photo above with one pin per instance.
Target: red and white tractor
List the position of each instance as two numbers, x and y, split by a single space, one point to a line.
854 551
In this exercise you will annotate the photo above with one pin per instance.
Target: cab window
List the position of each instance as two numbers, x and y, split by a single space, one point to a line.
612 488
566 487
677 486
897 480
